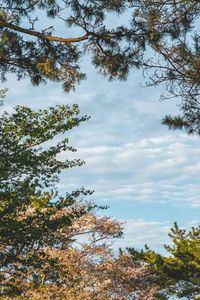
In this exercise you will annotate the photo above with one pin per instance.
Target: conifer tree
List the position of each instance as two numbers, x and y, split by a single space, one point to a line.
34 47
178 273
171 30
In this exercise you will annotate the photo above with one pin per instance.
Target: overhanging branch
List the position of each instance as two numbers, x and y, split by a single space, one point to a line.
41 35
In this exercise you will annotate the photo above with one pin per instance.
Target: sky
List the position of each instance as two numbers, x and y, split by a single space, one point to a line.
146 174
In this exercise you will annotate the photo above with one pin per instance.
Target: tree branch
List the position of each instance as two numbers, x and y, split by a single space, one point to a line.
41 35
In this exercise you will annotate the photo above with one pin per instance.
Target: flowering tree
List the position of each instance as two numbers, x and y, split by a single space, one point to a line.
83 266
28 173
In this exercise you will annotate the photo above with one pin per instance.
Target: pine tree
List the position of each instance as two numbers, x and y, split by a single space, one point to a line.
31 49
170 28
178 273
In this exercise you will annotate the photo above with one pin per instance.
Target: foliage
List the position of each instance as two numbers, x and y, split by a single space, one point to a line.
81 267
171 30
22 134
161 38
37 225
29 46
179 273
28 173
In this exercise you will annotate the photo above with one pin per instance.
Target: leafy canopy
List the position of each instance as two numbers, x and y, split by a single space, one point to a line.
29 207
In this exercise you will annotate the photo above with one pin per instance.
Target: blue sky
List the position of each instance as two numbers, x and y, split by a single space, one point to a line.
148 176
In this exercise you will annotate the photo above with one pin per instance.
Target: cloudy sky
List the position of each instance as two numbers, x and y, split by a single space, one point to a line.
147 175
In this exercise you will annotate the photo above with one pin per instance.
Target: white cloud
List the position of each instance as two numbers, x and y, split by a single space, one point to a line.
150 170
139 232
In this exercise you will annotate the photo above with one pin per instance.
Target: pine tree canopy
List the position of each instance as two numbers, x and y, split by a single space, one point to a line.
178 273
47 39
37 41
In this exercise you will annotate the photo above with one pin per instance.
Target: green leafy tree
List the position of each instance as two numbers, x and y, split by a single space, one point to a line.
179 273
29 203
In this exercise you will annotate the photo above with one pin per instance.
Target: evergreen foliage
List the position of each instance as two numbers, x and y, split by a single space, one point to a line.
29 48
33 46
171 30
179 273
